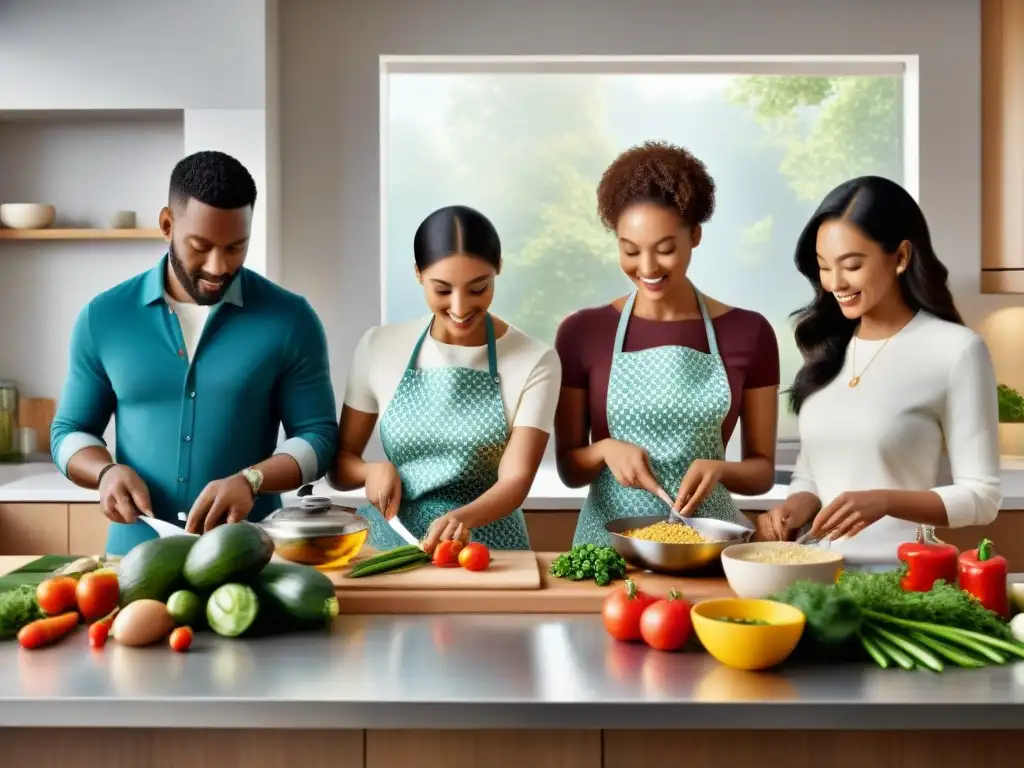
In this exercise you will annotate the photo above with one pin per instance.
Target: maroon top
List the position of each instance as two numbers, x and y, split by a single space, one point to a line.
585 342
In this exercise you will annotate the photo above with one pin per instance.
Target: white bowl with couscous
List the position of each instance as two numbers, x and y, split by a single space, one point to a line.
761 569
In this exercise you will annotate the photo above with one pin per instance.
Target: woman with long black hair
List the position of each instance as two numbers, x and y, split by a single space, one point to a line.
893 385
465 402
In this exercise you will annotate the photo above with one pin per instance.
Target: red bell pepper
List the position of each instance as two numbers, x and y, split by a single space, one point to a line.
928 560
983 574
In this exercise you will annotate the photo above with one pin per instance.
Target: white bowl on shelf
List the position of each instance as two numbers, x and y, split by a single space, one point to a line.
27 215
751 578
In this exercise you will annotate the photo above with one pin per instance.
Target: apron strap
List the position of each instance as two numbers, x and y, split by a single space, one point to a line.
709 327
627 312
415 356
492 349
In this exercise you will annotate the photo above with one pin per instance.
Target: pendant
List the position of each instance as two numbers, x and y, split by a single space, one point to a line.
854 381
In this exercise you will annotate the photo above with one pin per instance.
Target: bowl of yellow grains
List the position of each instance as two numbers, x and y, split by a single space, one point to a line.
760 569
655 544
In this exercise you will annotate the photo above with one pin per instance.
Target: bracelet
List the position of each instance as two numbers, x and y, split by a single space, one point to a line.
99 477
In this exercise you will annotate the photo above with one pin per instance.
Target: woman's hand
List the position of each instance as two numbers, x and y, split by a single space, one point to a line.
700 478
384 488
631 467
445 527
781 522
850 513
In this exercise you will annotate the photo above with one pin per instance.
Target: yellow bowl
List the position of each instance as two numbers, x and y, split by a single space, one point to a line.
748 646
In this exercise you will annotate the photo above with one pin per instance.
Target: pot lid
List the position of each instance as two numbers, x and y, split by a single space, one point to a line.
314 516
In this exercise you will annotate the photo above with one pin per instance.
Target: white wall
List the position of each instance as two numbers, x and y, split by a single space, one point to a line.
329 113
114 55
131 54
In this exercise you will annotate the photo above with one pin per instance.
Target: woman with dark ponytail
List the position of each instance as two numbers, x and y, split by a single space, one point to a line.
466 402
893 385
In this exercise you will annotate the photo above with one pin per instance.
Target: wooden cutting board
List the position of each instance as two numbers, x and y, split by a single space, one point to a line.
509 570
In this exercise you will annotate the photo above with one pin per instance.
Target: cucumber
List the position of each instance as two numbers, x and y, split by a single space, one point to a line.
152 570
234 552
296 596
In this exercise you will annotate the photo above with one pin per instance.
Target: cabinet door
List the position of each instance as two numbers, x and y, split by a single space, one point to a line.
87 529
33 529
1002 146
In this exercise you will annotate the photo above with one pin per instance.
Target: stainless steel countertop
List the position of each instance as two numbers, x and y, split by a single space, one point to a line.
460 671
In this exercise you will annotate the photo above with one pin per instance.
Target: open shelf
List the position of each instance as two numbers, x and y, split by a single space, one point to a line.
81 234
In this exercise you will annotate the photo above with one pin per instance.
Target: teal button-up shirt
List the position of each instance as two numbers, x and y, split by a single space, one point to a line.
260 363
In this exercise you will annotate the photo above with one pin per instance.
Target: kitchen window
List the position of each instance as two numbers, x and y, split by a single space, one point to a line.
525 140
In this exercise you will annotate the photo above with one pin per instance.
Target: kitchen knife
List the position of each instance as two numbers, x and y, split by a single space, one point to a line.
398 527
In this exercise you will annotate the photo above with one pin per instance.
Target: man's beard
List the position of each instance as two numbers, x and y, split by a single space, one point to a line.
190 281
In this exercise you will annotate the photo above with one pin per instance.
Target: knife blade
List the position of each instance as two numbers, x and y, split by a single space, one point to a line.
398 527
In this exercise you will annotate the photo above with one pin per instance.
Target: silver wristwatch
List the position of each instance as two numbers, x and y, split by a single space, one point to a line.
255 479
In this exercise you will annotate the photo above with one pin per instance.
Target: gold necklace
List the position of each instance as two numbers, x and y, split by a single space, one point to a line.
853 362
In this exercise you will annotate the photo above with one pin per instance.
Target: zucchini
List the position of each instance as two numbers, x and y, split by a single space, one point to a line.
296 596
152 570
232 609
235 552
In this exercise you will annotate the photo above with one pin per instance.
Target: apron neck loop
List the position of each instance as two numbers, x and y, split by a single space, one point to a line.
492 349
627 313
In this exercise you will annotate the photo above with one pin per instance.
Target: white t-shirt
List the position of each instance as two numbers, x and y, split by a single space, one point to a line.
923 417
530 371
192 318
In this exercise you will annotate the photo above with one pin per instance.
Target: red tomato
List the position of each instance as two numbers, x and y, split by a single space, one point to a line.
475 557
97 594
57 595
666 624
621 611
446 553
181 639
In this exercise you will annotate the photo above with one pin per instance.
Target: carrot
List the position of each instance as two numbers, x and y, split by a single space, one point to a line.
99 630
47 631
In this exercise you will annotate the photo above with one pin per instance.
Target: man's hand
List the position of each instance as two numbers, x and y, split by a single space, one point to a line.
123 495
223 501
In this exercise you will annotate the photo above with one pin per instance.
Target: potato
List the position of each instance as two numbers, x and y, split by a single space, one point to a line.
142 622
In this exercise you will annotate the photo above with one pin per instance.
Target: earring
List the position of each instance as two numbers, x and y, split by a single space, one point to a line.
899 269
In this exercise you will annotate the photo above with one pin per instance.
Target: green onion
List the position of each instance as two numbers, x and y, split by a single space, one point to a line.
873 651
923 655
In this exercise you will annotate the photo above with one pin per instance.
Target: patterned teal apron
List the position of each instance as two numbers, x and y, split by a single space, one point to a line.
445 431
671 401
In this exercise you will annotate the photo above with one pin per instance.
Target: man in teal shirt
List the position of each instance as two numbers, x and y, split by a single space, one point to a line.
200 361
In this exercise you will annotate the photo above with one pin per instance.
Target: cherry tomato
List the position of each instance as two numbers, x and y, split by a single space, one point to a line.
446 553
621 611
475 557
97 594
181 639
57 595
666 624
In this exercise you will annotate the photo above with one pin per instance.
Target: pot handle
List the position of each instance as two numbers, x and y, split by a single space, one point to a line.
306 490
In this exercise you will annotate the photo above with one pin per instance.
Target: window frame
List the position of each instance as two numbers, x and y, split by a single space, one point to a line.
906 66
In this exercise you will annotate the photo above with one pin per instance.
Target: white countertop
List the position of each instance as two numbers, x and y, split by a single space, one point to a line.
28 483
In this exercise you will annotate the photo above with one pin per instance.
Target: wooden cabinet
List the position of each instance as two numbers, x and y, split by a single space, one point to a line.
87 529
33 529
1002 146
52 529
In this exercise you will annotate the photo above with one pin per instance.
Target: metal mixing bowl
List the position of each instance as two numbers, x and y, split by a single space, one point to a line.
675 558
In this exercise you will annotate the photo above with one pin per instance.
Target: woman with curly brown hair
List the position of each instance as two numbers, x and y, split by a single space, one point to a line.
654 383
